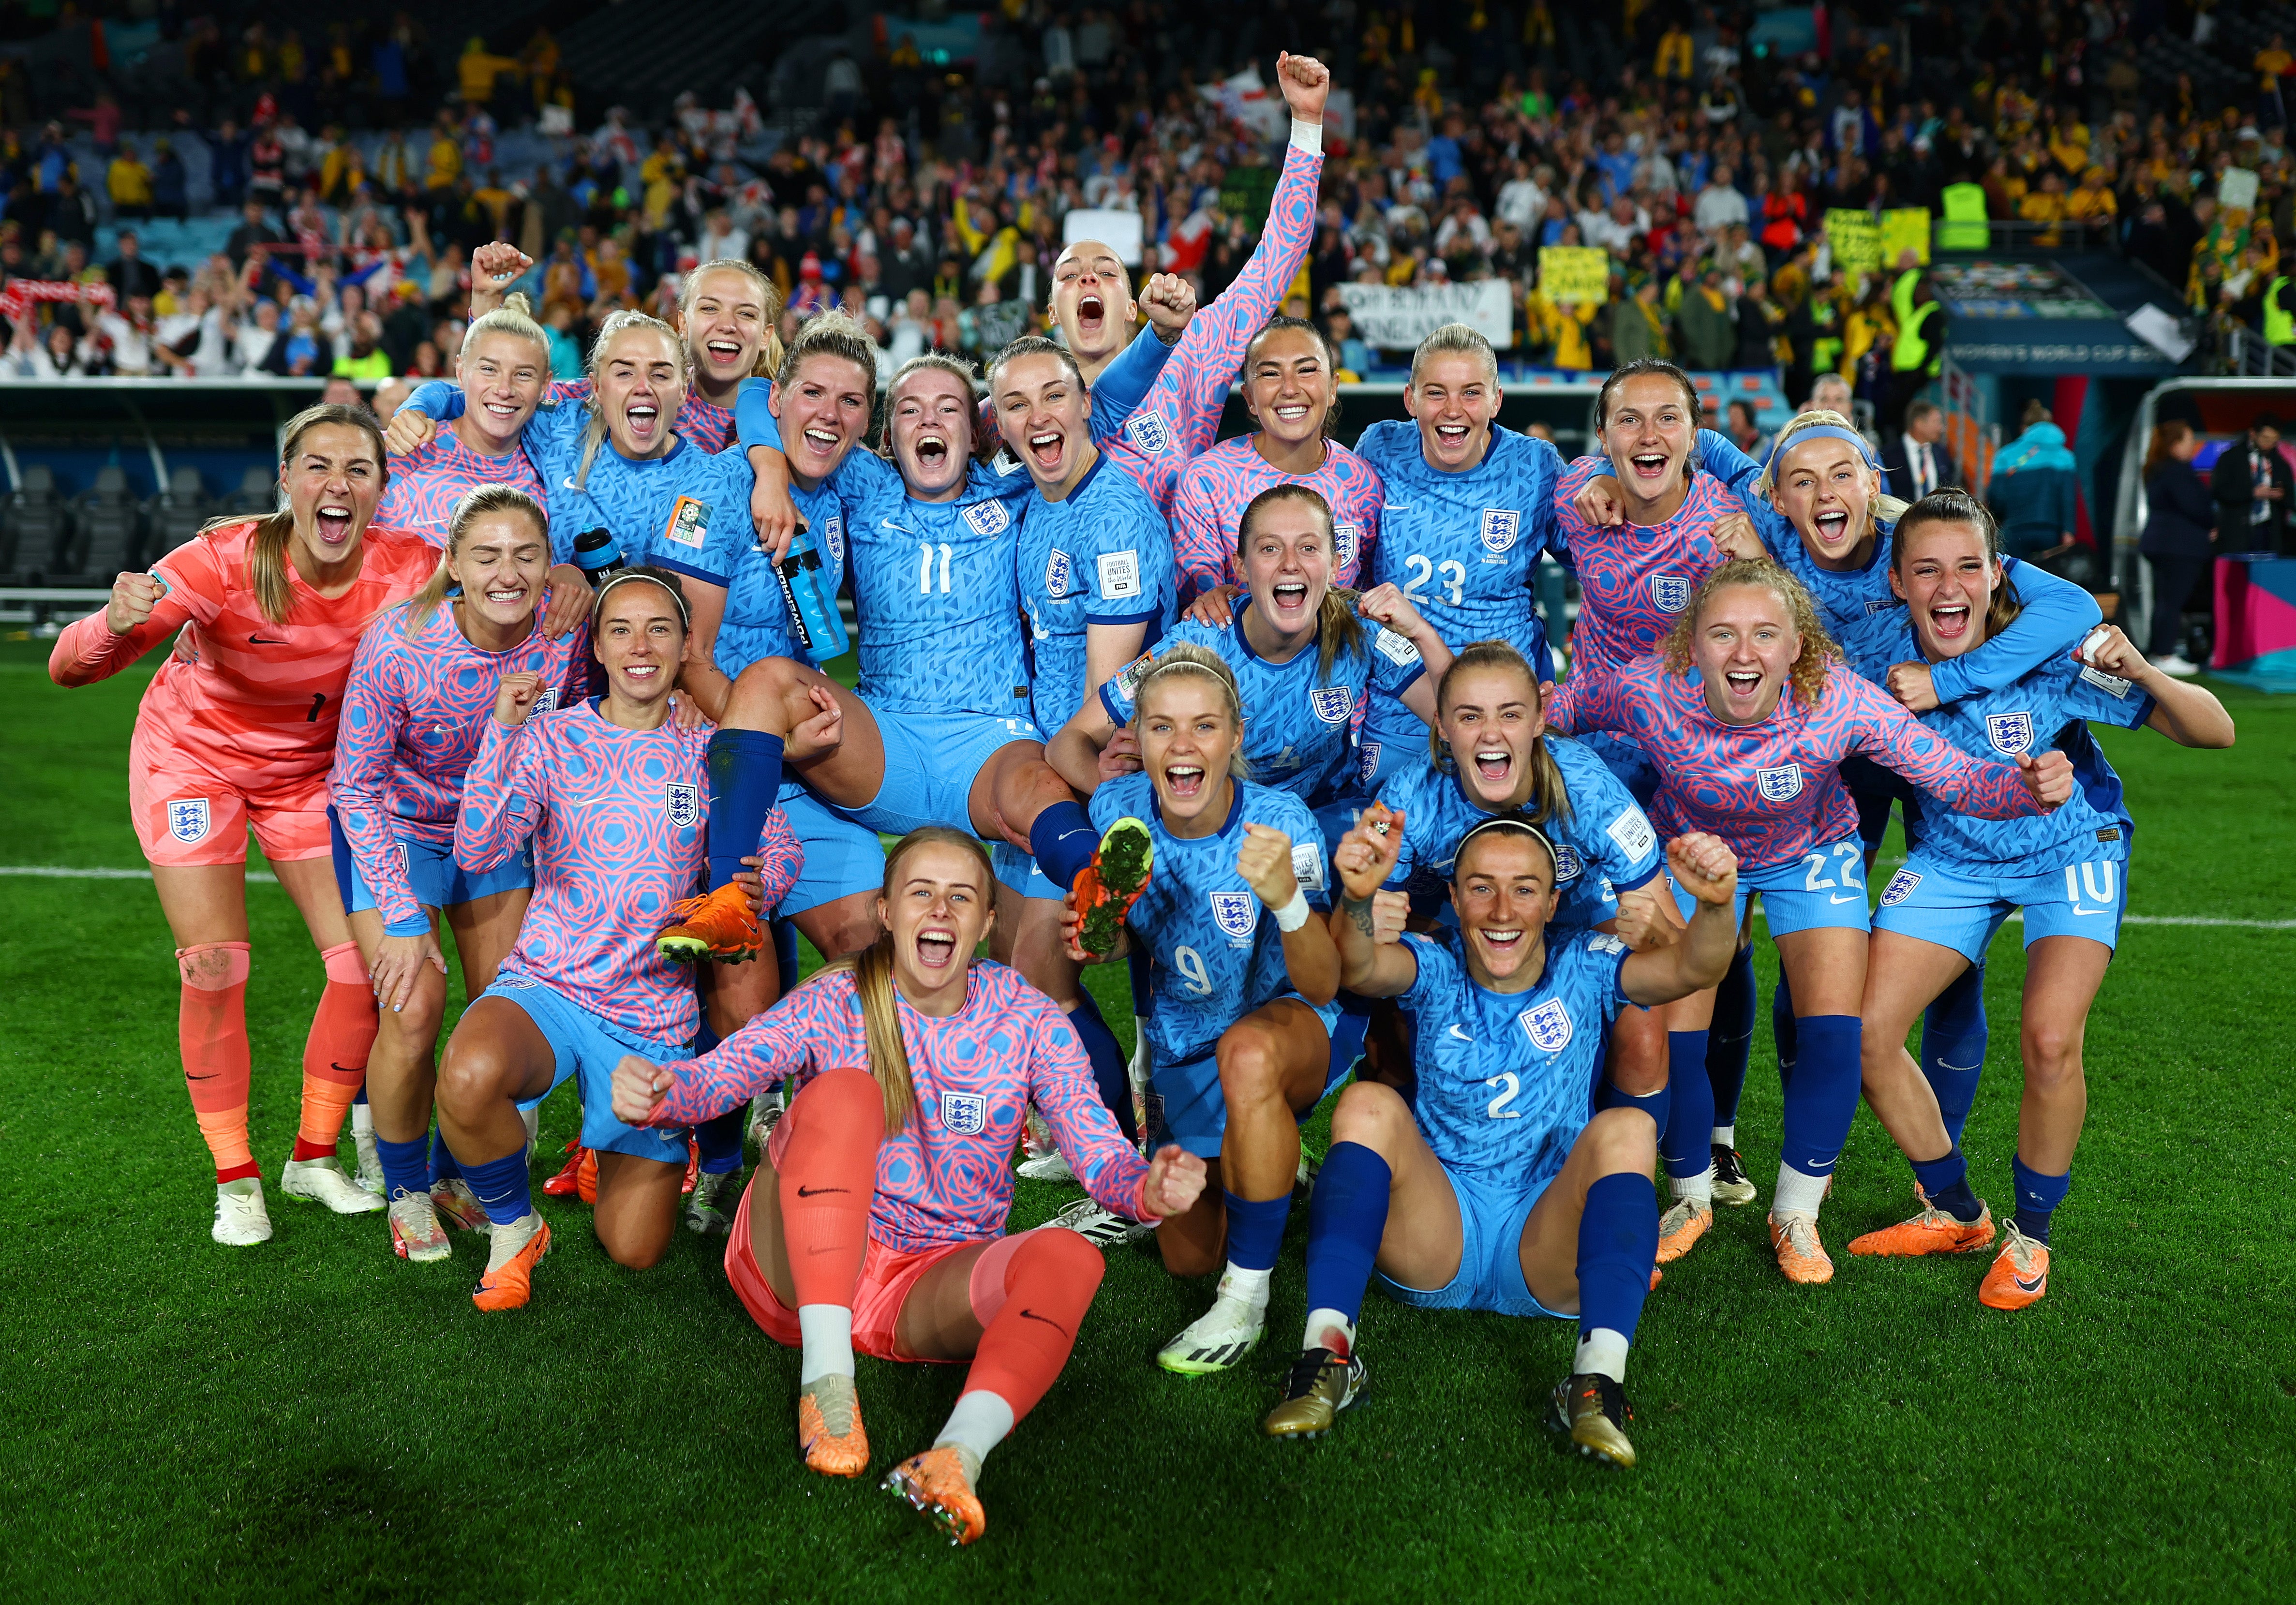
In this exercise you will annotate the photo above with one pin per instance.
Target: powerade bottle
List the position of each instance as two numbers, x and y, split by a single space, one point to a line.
809 587
599 555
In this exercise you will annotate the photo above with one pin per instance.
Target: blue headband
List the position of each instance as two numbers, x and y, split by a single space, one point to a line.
1820 432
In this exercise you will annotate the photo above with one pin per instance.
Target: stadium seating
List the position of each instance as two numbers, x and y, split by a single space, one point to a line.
107 530
257 493
38 523
174 515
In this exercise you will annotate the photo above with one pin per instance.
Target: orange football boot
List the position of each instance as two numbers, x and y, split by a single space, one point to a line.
717 925
829 1432
1679 1230
1801 1255
2019 1274
509 1287
1931 1231
1108 887
938 1486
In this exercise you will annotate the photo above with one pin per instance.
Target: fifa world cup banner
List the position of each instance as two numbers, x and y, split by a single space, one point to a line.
1398 318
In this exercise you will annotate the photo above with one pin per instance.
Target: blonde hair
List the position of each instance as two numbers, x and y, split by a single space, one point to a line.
830 334
1188 660
475 504
1455 337
872 979
266 557
1881 507
1550 797
593 433
1337 628
1035 345
515 316
976 442
769 304
1807 675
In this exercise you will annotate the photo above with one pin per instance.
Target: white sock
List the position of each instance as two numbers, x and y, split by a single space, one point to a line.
363 1119
827 1330
532 1119
1725 1136
1248 1287
1602 1352
1323 1326
980 1422
1798 1194
1698 1189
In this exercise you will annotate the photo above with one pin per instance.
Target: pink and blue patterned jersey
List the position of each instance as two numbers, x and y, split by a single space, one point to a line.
705 423
1101 554
1603 842
1180 418
413 713
1635 580
1774 790
618 819
427 482
1216 489
1464 547
947 1176
1296 733
685 510
1504 1078
2047 707
1215 951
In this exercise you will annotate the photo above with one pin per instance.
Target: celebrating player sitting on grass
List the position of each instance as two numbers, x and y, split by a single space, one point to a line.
1747 716
1245 976
612 792
2067 873
877 1220
422 690
1493 1188
235 733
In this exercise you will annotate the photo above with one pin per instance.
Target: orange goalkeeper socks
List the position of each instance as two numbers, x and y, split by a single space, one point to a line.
334 1054
211 1025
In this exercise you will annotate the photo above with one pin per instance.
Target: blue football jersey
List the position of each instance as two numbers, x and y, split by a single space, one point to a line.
1215 953
1605 845
2045 708
1464 547
1298 729
933 590
756 622
1506 1078
1101 555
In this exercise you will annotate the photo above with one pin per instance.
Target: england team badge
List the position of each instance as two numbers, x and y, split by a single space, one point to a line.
987 518
1237 913
1779 785
1501 525
832 533
547 701
2011 734
188 818
1056 575
1147 432
1568 865
965 1114
1670 593
1548 1026
682 804
1333 703
1346 538
1900 887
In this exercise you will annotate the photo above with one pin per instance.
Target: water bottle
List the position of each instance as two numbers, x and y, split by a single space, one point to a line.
599 555
810 588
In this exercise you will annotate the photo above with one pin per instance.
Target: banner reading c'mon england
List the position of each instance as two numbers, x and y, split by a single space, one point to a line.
1398 318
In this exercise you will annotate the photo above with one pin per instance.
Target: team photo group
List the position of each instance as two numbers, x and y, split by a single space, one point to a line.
1278 727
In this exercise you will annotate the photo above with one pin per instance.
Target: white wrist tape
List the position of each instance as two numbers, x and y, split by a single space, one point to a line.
1293 915
1307 136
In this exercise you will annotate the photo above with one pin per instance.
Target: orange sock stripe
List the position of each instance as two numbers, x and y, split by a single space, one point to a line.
828 1179
335 1053
1048 1286
211 1028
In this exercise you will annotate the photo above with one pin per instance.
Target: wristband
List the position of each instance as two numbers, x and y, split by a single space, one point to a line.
1293 915
1307 136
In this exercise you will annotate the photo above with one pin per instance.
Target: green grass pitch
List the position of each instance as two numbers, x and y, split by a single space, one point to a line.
316 1419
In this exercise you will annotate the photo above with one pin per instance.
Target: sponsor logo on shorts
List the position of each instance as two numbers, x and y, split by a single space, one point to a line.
1056 575
1307 865
683 803
1501 525
1670 593
1396 649
1237 913
188 819
1345 540
966 1114
988 518
1779 785
688 524
1568 865
2011 734
1147 432
1900 887
1548 1026
1632 832
1120 574
1333 703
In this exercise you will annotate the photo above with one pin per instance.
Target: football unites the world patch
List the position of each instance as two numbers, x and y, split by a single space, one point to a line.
1119 575
1307 865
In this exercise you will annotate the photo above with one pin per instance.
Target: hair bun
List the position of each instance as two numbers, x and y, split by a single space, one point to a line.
517 301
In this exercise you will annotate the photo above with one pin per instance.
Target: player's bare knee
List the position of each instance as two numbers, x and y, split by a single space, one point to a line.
1250 1065
1622 1139
471 1076
1371 1115
2052 1057
638 1249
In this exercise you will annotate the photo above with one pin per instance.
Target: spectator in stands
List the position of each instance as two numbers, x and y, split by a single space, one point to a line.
129 182
1706 325
1638 324
1719 204
129 274
1744 433
2031 491
2252 484
2179 538
1918 460
256 334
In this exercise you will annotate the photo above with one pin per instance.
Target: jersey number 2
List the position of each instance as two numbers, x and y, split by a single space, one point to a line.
1498 1109
1422 570
925 568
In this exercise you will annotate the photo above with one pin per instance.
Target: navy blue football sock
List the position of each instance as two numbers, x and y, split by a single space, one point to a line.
1658 1105
1685 1141
1063 840
1784 1030
359 1100
745 781
1617 1246
720 1137
1944 1183
1822 1098
1730 1039
502 1188
1255 1229
406 1167
1346 1218
1953 1047
443 1168
1108 1072
785 953
2038 1198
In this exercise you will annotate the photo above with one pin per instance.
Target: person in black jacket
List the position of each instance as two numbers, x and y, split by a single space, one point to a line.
2179 529
2253 486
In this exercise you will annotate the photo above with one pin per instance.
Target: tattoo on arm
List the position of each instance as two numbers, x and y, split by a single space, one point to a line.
1358 910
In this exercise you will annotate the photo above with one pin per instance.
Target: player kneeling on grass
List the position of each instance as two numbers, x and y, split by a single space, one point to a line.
2067 873
612 792
1493 1189
1244 982
876 1221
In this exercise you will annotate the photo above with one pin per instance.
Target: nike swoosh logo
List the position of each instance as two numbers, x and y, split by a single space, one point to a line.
2033 1286
817 1191
347 1070
572 486
1834 899
2083 913
1047 1319
896 529
1461 1035
267 641
1395 507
